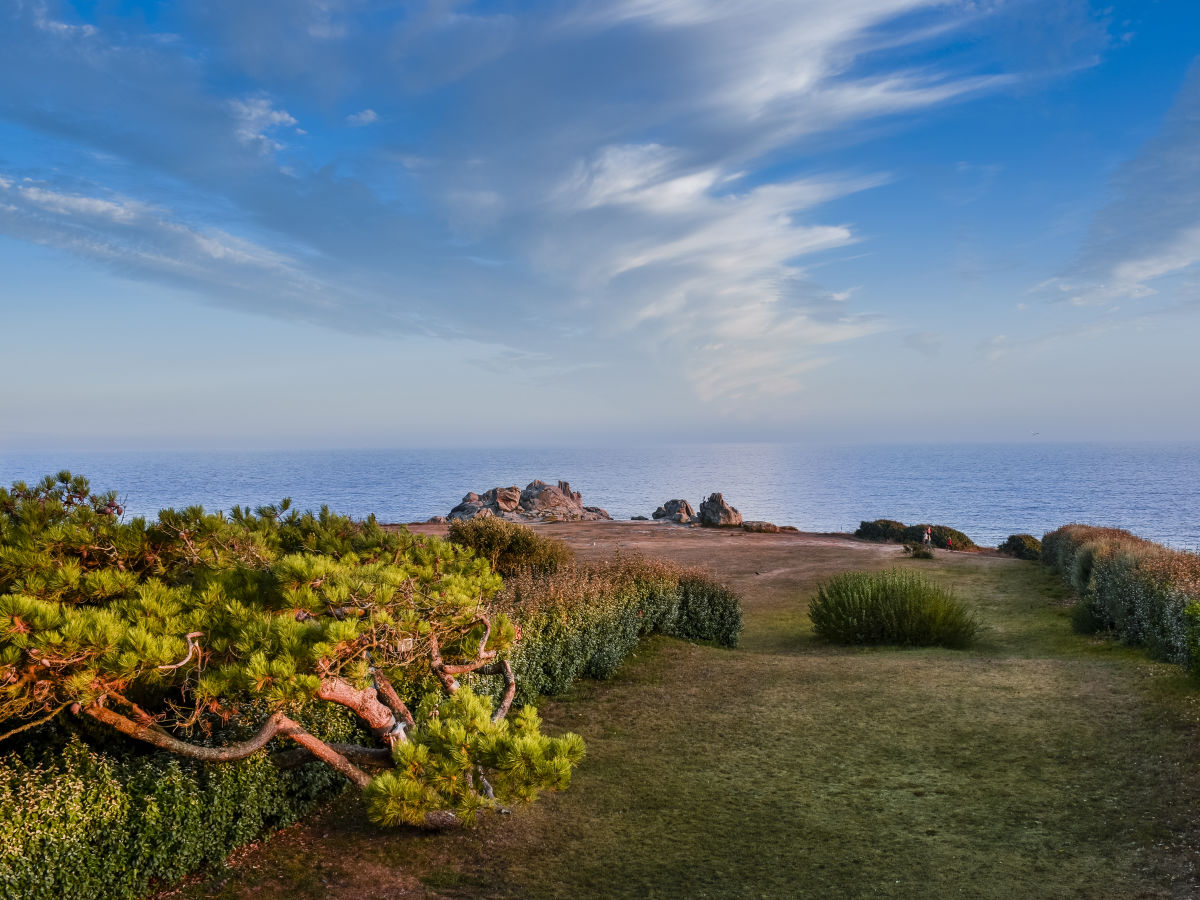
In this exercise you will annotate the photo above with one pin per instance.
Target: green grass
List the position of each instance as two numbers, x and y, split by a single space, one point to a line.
1037 764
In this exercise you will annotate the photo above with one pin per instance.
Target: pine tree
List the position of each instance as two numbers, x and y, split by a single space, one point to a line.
166 630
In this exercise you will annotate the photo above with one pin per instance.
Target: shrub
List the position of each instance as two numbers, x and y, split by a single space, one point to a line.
76 821
894 607
881 530
585 620
509 546
941 536
918 551
895 532
1022 546
1146 594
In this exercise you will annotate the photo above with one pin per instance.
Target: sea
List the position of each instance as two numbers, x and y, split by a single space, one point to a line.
986 490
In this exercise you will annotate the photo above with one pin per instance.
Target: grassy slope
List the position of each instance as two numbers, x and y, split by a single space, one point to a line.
1039 765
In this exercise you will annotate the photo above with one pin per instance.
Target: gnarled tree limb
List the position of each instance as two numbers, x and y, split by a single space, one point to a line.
376 757
503 667
277 725
364 702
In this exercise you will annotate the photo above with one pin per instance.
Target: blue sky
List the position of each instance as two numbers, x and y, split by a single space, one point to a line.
336 223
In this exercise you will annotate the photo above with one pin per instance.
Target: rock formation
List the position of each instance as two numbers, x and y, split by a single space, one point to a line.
539 502
678 511
715 512
761 527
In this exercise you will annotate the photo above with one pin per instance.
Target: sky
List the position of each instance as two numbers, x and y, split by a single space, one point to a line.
344 223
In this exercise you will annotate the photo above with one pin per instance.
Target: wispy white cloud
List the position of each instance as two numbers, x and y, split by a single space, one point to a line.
359 119
1148 234
137 239
256 117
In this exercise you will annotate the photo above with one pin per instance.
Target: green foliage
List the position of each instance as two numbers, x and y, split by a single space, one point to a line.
455 747
941 535
80 822
891 531
585 620
509 546
886 530
93 607
918 551
1146 594
1022 546
894 607
208 625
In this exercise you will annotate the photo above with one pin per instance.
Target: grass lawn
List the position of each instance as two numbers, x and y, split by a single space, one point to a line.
1039 764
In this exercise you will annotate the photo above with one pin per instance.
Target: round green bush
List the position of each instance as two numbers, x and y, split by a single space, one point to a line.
881 530
1022 546
894 607
941 535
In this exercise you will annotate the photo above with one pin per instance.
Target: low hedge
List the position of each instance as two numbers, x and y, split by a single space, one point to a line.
891 531
78 820
1022 546
1145 593
585 620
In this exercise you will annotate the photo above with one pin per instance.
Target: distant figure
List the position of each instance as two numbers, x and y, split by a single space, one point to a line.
949 543
928 539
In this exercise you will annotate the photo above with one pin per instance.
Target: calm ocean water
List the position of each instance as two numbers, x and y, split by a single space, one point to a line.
988 491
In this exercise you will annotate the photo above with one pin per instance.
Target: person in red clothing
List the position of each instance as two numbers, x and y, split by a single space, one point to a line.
949 543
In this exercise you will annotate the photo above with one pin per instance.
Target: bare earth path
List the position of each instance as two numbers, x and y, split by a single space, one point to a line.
1040 764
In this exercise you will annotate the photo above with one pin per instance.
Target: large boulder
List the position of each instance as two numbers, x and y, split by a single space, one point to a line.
538 502
715 512
502 499
679 511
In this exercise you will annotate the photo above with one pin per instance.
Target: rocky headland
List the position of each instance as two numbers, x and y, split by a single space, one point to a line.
538 502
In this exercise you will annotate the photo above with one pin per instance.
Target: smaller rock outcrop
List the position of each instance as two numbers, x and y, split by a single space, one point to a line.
677 511
761 527
716 513
436 520
639 519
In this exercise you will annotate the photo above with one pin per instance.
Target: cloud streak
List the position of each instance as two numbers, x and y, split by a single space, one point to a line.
1148 234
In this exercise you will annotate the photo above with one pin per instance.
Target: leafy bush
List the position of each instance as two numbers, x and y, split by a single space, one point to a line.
76 821
894 607
1145 593
509 546
918 551
585 620
1022 546
887 530
941 535
891 531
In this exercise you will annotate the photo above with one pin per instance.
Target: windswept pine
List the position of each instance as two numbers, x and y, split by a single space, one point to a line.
167 631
